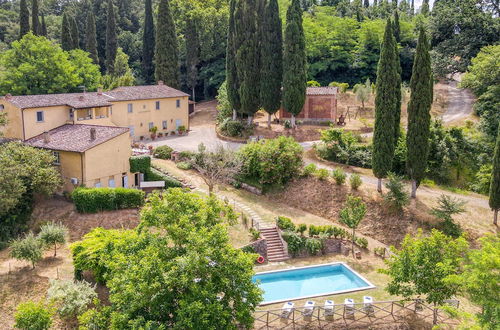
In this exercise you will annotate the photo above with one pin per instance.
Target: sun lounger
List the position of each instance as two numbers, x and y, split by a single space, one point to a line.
349 308
287 309
308 309
329 309
368 304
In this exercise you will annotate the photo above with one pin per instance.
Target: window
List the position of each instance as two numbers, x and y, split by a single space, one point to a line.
97 183
130 108
57 157
164 124
131 128
157 105
111 182
178 103
151 125
39 116
1 107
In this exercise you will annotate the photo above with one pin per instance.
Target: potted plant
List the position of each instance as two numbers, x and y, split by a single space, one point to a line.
181 129
160 134
172 133
153 131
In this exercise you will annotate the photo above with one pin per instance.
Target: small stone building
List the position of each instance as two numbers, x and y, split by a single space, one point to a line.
320 105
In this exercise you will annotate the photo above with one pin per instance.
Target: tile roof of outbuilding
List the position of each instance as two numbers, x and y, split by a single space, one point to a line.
76 137
95 99
322 90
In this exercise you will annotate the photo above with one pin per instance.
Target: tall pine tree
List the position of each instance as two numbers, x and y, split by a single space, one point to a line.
91 37
75 34
35 20
294 62
494 200
271 60
233 85
148 44
166 53
43 27
385 105
192 54
419 117
24 19
66 36
111 42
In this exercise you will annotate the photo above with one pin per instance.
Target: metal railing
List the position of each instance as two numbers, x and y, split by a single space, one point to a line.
359 315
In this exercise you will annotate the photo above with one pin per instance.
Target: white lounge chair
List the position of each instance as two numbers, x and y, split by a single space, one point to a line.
287 309
349 308
308 308
329 309
368 304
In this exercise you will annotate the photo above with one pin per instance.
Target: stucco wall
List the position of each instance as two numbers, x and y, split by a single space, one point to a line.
14 128
53 117
70 167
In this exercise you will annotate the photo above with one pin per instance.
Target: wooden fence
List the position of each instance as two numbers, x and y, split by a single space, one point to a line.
384 314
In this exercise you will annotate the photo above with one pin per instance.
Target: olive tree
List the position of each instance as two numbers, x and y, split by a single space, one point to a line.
53 234
28 248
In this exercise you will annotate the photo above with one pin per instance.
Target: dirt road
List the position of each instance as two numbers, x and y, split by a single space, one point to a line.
460 102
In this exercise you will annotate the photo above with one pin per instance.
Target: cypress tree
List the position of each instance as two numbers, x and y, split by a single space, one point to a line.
166 54
111 42
419 117
35 21
385 103
91 37
294 62
375 4
148 44
494 200
397 90
271 60
424 10
24 19
412 9
75 34
247 56
397 27
231 72
366 3
192 54
66 37
43 27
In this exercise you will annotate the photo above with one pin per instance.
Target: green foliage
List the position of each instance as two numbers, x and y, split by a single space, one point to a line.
52 234
184 165
447 207
285 223
233 43
233 128
86 70
343 147
224 109
248 249
494 200
353 212
313 245
166 51
272 161
92 200
162 152
422 265
122 74
339 176
95 319
66 35
361 242
35 65
363 92
322 174
154 174
91 38
24 19
342 86
140 164
313 83
484 70
486 107
70 298
148 43
28 248
355 181
295 242
111 38
482 179
32 316
397 196
301 228
254 233
309 169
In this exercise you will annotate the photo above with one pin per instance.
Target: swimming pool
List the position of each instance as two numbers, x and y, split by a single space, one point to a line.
308 282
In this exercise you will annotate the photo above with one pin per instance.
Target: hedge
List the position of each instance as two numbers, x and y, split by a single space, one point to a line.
163 152
154 175
92 200
140 164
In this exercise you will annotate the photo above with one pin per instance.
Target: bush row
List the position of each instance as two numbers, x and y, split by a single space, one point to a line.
140 164
338 175
155 175
92 200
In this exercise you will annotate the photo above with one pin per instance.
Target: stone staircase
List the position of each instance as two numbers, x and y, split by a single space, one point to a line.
275 249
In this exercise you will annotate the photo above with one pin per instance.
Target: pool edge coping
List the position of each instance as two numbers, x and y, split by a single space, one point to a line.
369 286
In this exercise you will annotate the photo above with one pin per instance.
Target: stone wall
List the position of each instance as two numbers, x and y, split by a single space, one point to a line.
260 247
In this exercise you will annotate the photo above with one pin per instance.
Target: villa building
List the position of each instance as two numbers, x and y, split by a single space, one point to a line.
90 134
320 105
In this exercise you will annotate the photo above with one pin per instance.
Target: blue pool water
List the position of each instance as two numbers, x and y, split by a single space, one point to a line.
308 282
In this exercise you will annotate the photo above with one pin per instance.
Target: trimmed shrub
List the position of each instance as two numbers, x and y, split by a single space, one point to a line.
233 128
339 232
313 245
339 176
184 165
314 230
285 223
295 242
309 169
71 298
361 242
322 174
32 316
301 228
140 164
248 249
254 233
397 197
186 155
163 152
154 175
29 248
342 86
92 200
355 181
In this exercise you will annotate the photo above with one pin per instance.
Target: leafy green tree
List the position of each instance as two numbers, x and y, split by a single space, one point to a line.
53 234
385 105
35 19
294 62
421 267
272 60
111 38
352 214
24 18
419 117
363 92
424 10
66 35
148 43
166 53
32 316
480 280
484 70
224 109
122 75
91 38
86 70
232 81
192 55
70 298
494 200
75 33
28 248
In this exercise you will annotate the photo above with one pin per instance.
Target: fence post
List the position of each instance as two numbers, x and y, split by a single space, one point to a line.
267 319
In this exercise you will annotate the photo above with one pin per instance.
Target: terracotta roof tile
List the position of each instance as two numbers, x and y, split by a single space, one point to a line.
76 137
143 93
322 90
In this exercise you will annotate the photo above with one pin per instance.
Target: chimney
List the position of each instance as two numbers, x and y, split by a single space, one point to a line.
99 91
92 133
80 98
160 82
8 96
46 137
